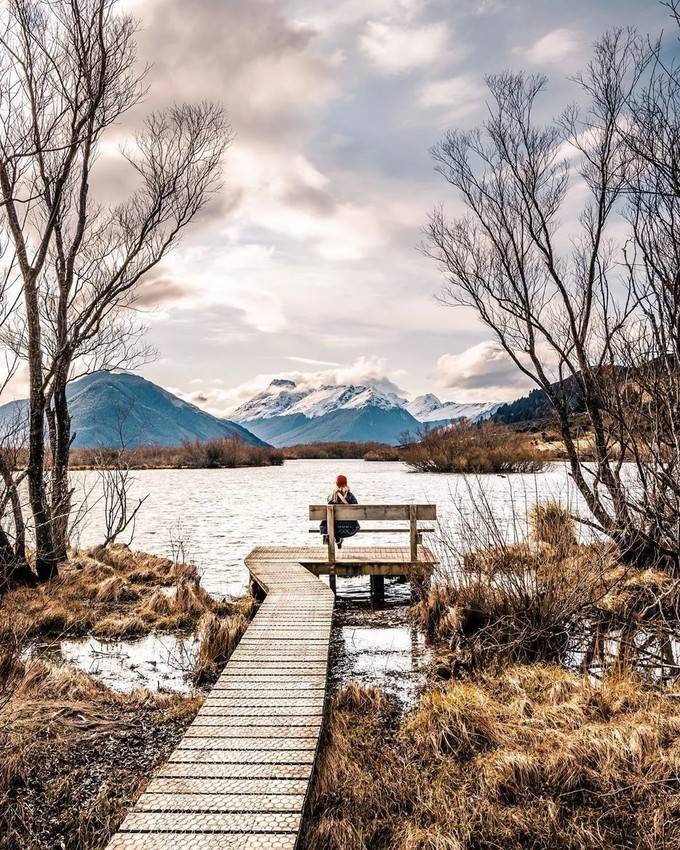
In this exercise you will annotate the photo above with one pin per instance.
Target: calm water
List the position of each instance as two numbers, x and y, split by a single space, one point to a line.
217 516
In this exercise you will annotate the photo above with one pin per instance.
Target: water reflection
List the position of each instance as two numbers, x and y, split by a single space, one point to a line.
157 661
376 644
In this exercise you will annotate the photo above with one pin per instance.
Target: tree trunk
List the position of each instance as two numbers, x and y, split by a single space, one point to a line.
45 559
61 444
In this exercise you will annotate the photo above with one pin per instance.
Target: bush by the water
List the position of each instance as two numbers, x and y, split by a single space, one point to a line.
486 447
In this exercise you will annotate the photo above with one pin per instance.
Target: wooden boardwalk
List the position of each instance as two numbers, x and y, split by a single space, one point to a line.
239 778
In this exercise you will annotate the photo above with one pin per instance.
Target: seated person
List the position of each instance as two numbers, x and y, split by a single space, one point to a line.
341 495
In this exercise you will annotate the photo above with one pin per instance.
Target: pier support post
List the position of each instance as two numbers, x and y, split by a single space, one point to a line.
377 588
332 582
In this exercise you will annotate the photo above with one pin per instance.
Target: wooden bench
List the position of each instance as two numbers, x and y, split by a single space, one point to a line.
413 514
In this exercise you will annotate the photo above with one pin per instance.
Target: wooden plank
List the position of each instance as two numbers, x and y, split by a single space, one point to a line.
227 786
330 532
373 512
421 529
211 802
190 822
413 532
202 841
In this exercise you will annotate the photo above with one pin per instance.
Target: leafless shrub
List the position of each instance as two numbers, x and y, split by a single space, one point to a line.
470 448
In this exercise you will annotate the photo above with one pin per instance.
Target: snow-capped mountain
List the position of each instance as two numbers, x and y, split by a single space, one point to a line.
285 414
283 397
429 409
107 407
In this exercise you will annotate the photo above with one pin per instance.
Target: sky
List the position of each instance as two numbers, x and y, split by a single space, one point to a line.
306 265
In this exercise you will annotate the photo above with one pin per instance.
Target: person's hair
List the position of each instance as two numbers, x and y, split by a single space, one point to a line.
341 481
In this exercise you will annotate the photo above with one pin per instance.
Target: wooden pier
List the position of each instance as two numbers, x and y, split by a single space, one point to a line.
238 780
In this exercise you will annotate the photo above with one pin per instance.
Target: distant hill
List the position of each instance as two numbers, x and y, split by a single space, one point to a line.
105 405
536 406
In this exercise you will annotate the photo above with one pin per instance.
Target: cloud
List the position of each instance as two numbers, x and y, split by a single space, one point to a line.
483 372
554 47
394 48
371 371
158 291
457 96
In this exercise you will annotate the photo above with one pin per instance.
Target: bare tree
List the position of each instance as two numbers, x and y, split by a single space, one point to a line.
116 481
67 73
580 314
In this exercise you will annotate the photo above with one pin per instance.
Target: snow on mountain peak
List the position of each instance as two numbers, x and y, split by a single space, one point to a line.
285 398
423 405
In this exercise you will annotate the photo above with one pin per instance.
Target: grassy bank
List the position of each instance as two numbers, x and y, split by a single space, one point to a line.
527 758
114 592
342 450
226 453
74 755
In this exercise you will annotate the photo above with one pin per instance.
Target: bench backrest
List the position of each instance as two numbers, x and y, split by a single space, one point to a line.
411 513
376 512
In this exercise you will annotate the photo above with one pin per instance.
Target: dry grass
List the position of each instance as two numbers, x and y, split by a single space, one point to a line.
532 757
114 593
522 602
551 523
218 639
75 755
545 599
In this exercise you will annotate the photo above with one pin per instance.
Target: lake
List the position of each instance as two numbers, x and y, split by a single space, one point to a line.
216 516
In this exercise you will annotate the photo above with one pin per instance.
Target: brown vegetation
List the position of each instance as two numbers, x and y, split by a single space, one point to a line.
113 592
486 447
75 755
341 450
548 598
528 759
227 452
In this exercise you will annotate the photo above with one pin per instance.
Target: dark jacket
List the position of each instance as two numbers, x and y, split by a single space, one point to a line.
343 527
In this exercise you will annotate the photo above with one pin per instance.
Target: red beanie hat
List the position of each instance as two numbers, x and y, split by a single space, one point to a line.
341 481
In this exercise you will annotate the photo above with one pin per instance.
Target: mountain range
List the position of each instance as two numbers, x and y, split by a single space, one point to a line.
110 408
286 413
114 408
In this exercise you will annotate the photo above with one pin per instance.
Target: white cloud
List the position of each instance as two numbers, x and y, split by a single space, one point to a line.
457 96
393 48
554 47
483 372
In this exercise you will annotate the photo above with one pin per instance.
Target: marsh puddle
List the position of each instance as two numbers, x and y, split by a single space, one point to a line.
652 653
156 661
376 644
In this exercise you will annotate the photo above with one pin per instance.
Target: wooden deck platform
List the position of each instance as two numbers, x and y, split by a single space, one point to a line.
238 780
351 561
